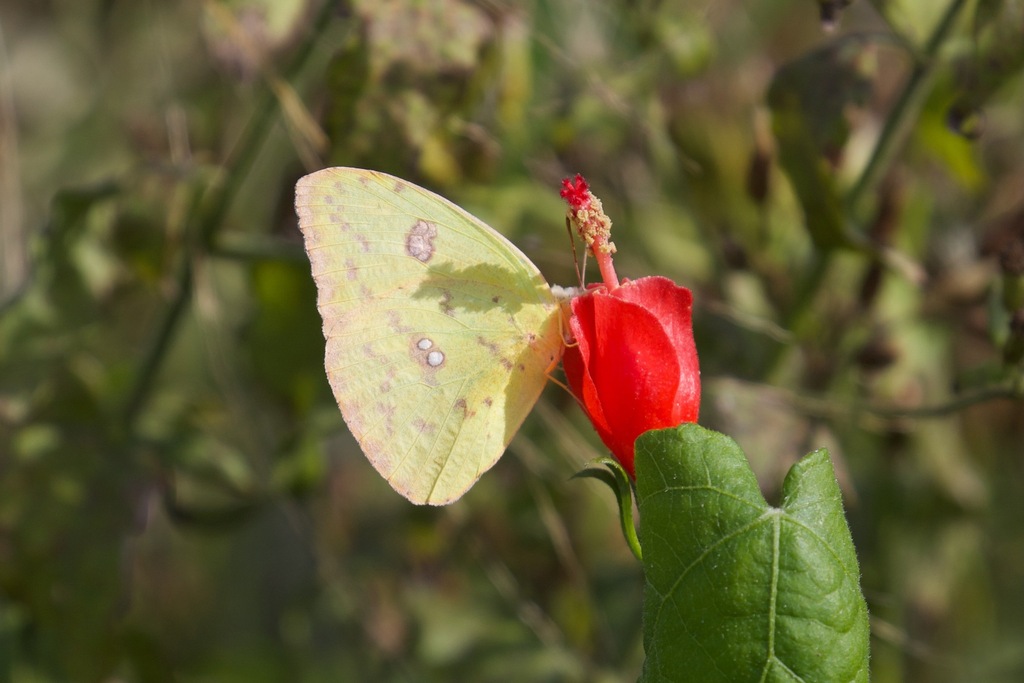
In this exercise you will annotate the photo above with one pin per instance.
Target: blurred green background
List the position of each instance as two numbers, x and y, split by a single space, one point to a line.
179 498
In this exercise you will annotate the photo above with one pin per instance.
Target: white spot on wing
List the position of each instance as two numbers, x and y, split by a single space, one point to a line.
428 355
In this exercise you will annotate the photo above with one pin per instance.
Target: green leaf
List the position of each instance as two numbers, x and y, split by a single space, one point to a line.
738 590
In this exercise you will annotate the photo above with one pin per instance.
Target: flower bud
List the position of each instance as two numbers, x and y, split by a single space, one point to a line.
634 365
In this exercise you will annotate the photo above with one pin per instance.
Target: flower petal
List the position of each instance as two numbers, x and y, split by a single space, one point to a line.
576 362
672 305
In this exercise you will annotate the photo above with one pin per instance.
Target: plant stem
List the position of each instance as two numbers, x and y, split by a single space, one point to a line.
820 406
955 404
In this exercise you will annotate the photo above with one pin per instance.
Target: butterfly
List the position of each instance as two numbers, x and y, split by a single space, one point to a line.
440 333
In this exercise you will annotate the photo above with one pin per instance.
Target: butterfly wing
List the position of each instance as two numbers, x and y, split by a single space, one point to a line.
440 332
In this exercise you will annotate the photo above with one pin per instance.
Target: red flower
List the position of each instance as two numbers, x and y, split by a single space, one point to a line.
634 365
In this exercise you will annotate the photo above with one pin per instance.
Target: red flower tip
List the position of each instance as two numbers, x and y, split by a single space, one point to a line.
587 217
576 192
634 365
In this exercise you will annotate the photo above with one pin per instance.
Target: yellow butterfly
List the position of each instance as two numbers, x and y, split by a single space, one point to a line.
440 332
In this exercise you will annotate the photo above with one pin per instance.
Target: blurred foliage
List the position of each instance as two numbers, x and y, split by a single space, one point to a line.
179 499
